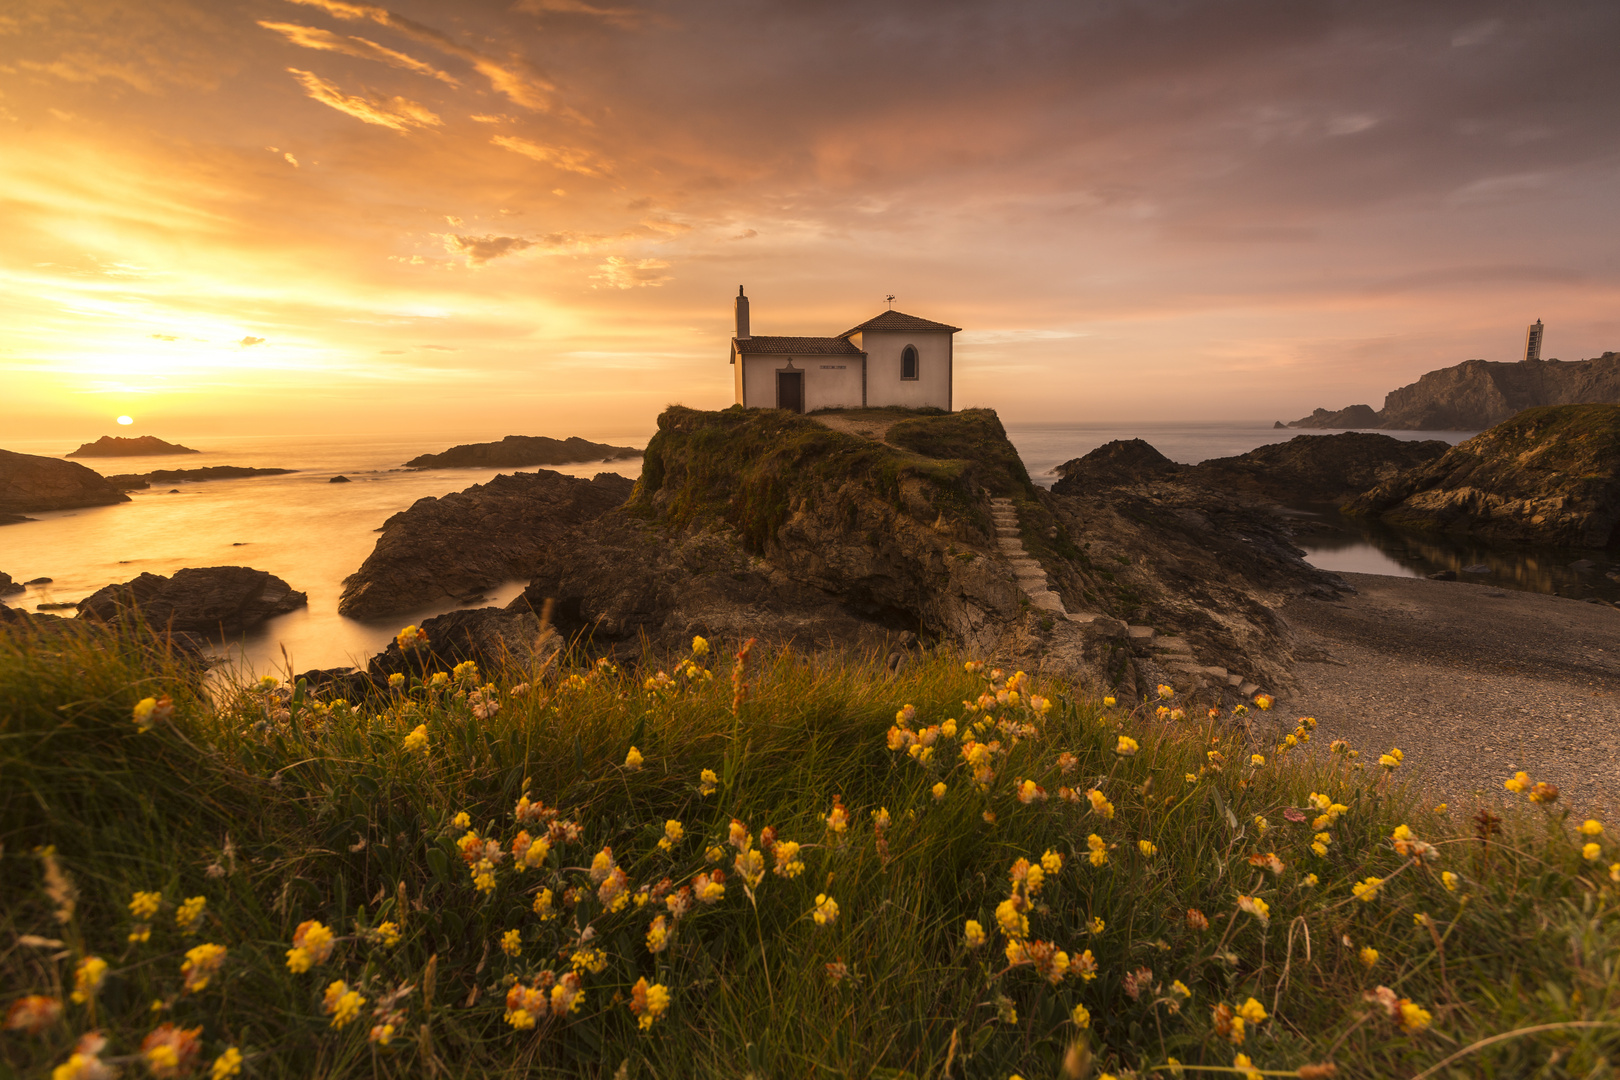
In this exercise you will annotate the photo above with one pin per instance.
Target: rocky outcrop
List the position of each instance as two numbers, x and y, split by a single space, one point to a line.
30 483
1305 469
119 446
1549 475
522 451
8 587
491 637
1478 394
1318 468
455 547
207 600
1356 416
136 481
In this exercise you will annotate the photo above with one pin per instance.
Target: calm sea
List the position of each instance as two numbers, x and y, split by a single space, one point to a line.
314 533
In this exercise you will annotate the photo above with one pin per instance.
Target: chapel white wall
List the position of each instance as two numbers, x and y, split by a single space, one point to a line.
932 387
830 382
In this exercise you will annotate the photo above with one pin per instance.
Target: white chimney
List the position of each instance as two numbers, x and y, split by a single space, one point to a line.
742 315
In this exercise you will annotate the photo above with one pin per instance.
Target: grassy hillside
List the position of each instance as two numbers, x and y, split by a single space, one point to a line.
993 878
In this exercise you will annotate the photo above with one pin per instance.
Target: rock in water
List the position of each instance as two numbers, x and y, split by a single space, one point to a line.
459 545
119 446
340 480
522 451
8 587
1319 468
190 476
1356 416
206 600
1549 475
1115 464
31 483
490 637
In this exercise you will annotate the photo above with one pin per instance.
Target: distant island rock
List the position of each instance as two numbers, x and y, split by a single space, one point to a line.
203 600
1549 475
136 481
1305 469
522 451
29 483
1478 394
455 547
119 446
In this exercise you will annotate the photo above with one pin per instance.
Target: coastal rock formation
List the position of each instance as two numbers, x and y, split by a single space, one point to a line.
1477 394
757 523
206 600
522 451
1319 468
136 481
454 547
119 446
1356 416
8 587
1549 475
30 483
1305 469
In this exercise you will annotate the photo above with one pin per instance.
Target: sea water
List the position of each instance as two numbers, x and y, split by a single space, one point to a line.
314 533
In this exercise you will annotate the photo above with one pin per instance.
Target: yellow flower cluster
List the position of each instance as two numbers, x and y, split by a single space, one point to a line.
312 944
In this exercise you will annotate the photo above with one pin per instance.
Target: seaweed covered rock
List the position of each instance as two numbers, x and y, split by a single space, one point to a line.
1549 475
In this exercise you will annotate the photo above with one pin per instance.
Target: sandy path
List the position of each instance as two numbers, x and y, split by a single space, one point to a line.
1471 682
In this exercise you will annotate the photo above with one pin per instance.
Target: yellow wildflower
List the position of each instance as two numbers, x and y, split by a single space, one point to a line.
1310 881
1166 692
1413 1017
439 680
227 1065
1109 702
1081 1018
826 909
312 944
973 934
1391 760
658 936
1256 907
1097 924
1366 891
1052 861
395 681
1519 782
88 975
838 818
1252 1011
1099 849
1261 825
189 912
648 1001
700 647
417 740
1126 747
1181 988
1369 956
633 759
542 905
1029 792
1147 848
674 832
1100 804
145 904
1013 922
387 934
512 943
1245 1067
1257 760
1592 852
1086 965
785 853
149 712
200 965
939 790
170 1050
461 820
1590 827
1544 792
567 996
1264 701
412 637
341 1003
1449 880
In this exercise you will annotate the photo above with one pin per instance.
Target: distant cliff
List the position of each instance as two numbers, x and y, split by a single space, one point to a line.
119 446
1479 394
522 451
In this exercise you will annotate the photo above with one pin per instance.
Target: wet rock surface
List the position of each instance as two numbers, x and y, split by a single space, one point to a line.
459 545
202 600
30 483
1547 476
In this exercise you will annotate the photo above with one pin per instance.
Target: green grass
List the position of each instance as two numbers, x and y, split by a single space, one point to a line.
282 809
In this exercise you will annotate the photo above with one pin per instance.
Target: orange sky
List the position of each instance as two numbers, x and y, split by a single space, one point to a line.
326 215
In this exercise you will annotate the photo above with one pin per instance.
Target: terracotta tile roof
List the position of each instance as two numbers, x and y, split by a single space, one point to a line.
899 320
796 346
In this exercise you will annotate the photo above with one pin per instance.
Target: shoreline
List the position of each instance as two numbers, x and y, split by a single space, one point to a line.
1472 682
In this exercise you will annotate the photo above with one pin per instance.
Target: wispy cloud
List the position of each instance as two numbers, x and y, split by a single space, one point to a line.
481 249
571 159
398 113
313 37
617 16
510 77
622 273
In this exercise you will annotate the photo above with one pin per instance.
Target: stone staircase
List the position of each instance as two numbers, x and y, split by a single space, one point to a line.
1026 570
1174 654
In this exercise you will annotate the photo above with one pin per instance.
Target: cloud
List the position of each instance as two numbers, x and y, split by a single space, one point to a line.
451 219
397 113
1351 125
511 78
622 273
250 340
568 158
627 17
312 37
480 249
289 159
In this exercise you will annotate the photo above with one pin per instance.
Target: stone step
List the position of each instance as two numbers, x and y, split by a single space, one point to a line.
1083 616
1047 601
1007 530
1024 560
1218 672
1140 633
1172 644
1010 544
1249 689
1035 571
1004 522
1234 680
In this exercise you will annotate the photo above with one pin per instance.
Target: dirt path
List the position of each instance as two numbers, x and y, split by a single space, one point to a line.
1471 682
868 427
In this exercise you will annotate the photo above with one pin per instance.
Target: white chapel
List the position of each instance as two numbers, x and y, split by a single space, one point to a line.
891 359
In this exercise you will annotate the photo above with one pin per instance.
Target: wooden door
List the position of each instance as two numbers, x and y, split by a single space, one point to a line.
790 390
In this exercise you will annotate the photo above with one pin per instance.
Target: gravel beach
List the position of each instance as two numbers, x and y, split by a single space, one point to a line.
1472 683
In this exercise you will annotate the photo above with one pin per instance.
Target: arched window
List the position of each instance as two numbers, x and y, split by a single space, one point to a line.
908 362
